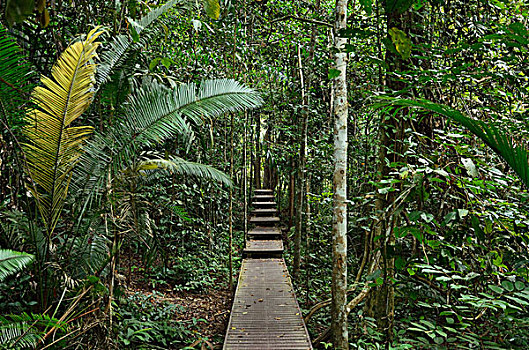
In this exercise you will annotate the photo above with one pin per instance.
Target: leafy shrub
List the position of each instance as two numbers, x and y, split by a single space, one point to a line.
145 323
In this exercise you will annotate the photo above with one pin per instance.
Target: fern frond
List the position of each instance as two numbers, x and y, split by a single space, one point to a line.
515 154
53 146
176 165
12 262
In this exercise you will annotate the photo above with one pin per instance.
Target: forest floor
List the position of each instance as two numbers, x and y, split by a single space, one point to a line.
212 305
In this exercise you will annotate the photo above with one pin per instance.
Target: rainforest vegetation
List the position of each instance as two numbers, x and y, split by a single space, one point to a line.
394 134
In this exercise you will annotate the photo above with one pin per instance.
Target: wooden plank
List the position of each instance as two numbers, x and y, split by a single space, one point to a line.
264 212
265 233
263 248
263 191
274 245
260 205
265 312
264 220
263 198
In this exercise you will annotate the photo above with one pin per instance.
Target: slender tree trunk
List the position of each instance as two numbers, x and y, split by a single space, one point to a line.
257 166
300 190
339 229
291 194
245 176
230 243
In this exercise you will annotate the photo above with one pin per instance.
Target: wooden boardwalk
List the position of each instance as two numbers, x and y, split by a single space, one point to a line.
265 313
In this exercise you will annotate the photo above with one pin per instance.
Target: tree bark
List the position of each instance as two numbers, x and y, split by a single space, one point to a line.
300 193
339 229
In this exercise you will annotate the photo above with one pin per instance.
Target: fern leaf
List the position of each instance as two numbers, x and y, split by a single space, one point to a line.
53 146
12 262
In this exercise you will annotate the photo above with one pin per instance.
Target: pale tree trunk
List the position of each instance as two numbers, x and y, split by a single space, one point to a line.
230 238
339 228
300 195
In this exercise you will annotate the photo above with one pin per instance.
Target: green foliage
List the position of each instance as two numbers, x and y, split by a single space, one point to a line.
154 114
12 262
26 330
143 322
14 83
516 155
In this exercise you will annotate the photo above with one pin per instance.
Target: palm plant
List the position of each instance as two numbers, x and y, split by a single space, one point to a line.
53 146
153 114
515 154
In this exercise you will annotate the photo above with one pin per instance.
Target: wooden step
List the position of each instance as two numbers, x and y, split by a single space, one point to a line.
263 191
263 249
263 198
261 232
262 205
264 220
264 212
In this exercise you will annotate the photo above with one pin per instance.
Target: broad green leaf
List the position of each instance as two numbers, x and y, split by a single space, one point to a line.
333 73
495 288
519 285
507 285
401 41
154 63
212 8
477 229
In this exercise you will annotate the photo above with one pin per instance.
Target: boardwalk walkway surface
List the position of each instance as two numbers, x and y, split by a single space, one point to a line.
265 312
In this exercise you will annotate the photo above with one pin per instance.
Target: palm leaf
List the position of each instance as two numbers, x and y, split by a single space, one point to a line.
123 44
53 146
14 86
12 262
176 165
515 154
153 115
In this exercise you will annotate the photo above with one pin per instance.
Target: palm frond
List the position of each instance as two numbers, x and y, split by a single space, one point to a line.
53 147
16 335
14 81
176 165
153 115
515 154
23 331
12 262
123 44
216 97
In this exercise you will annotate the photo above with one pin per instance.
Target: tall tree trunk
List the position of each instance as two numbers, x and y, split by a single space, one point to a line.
230 238
339 227
300 193
257 165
